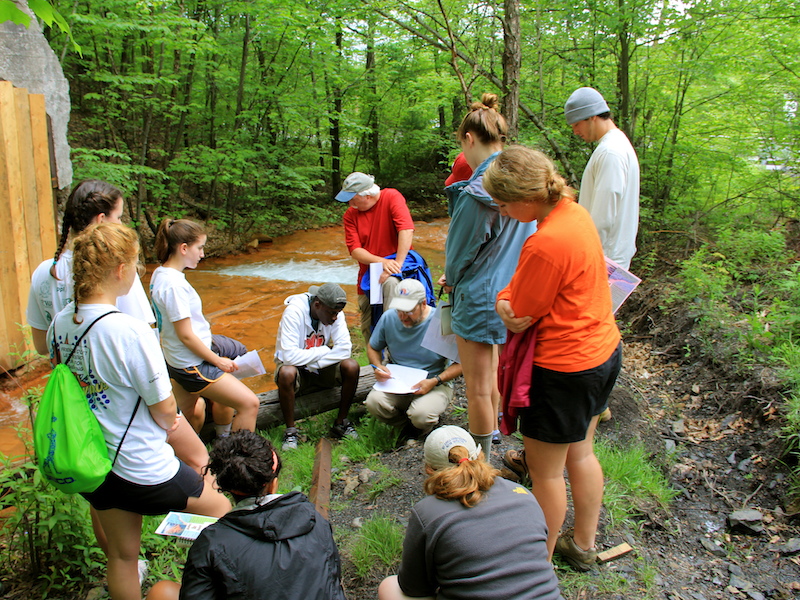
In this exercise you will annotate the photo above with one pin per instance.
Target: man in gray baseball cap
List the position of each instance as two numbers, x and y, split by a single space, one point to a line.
610 182
312 352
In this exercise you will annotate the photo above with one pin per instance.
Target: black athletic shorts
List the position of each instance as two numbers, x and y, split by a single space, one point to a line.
563 404
197 378
116 492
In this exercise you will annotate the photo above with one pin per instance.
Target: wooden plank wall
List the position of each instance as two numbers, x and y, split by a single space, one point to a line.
27 216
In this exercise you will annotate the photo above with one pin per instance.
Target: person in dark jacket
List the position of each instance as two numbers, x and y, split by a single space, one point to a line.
270 546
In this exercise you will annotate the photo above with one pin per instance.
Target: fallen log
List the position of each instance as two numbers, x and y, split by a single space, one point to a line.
269 412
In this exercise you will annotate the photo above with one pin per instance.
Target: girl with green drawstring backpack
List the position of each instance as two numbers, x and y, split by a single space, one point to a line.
118 362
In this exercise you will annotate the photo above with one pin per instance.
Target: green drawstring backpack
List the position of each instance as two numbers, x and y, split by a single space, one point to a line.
70 449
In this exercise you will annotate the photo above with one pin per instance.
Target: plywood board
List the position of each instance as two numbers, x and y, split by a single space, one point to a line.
41 156
30 210
13 251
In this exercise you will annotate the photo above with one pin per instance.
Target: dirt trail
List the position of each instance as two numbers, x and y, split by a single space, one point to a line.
718 442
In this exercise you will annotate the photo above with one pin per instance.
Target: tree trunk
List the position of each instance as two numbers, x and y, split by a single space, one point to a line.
373 133
336 167
623 71
512 59
242 73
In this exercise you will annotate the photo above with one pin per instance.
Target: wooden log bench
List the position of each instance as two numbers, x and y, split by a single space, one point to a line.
269 413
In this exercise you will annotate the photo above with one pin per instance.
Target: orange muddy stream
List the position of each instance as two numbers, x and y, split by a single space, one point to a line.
243 298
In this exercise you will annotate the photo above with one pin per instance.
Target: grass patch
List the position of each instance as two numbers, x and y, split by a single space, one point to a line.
380 540
632 481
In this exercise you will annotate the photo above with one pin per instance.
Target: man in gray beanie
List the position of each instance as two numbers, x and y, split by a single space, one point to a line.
610 183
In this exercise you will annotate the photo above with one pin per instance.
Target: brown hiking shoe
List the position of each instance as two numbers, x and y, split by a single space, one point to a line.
577 557
515 461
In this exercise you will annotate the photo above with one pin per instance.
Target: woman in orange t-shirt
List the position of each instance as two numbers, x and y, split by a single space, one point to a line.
561 287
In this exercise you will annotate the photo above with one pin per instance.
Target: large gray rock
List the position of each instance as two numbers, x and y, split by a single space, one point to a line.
27 61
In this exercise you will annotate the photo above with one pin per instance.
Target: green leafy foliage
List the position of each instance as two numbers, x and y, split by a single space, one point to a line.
47 534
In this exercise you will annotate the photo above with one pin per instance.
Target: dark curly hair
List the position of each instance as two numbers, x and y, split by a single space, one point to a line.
244 463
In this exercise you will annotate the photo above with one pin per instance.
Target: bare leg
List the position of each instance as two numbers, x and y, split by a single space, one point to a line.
287 377
350 370
211 502
164 590
191 405
124 531
480 377
223 415
99 534
546 469
188 446
231 392
586 480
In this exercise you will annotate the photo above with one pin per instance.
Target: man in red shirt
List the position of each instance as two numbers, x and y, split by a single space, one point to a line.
376 225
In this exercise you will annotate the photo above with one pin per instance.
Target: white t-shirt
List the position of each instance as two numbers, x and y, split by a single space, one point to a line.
610 192
175 299
48 296
119 360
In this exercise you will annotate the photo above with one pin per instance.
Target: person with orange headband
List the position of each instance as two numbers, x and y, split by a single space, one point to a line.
464 541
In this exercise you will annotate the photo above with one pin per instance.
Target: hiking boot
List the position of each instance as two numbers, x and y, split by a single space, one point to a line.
408 432
605 415
515 461
290 439
343 430
507 473
577 557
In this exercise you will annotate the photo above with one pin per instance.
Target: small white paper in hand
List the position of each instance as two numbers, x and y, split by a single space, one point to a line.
249 365
375 287
403 380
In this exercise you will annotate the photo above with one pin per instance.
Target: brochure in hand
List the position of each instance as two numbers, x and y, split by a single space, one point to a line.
185 526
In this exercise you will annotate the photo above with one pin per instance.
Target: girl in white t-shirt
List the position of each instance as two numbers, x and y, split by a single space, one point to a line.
127 387
198 362
93 201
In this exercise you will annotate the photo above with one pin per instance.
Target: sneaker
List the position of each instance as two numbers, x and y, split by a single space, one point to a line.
605 415
143 567
343 430
577 557
515 461
290 439
496 437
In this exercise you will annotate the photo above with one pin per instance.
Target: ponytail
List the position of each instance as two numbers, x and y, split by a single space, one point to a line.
466 481
174 232
484 122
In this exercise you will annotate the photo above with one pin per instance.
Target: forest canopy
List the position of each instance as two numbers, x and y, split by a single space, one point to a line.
249 114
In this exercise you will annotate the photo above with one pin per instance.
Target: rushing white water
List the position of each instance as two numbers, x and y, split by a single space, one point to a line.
313 271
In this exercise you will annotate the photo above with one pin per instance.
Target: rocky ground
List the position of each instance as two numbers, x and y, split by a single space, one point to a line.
718 442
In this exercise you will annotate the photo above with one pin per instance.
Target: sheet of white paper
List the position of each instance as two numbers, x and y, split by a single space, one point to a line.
622 283
249 365
403 380
375 287
443 345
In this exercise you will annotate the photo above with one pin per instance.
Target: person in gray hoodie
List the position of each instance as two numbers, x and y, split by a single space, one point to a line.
269 546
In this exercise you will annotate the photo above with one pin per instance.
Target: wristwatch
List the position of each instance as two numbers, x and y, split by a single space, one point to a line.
439 379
